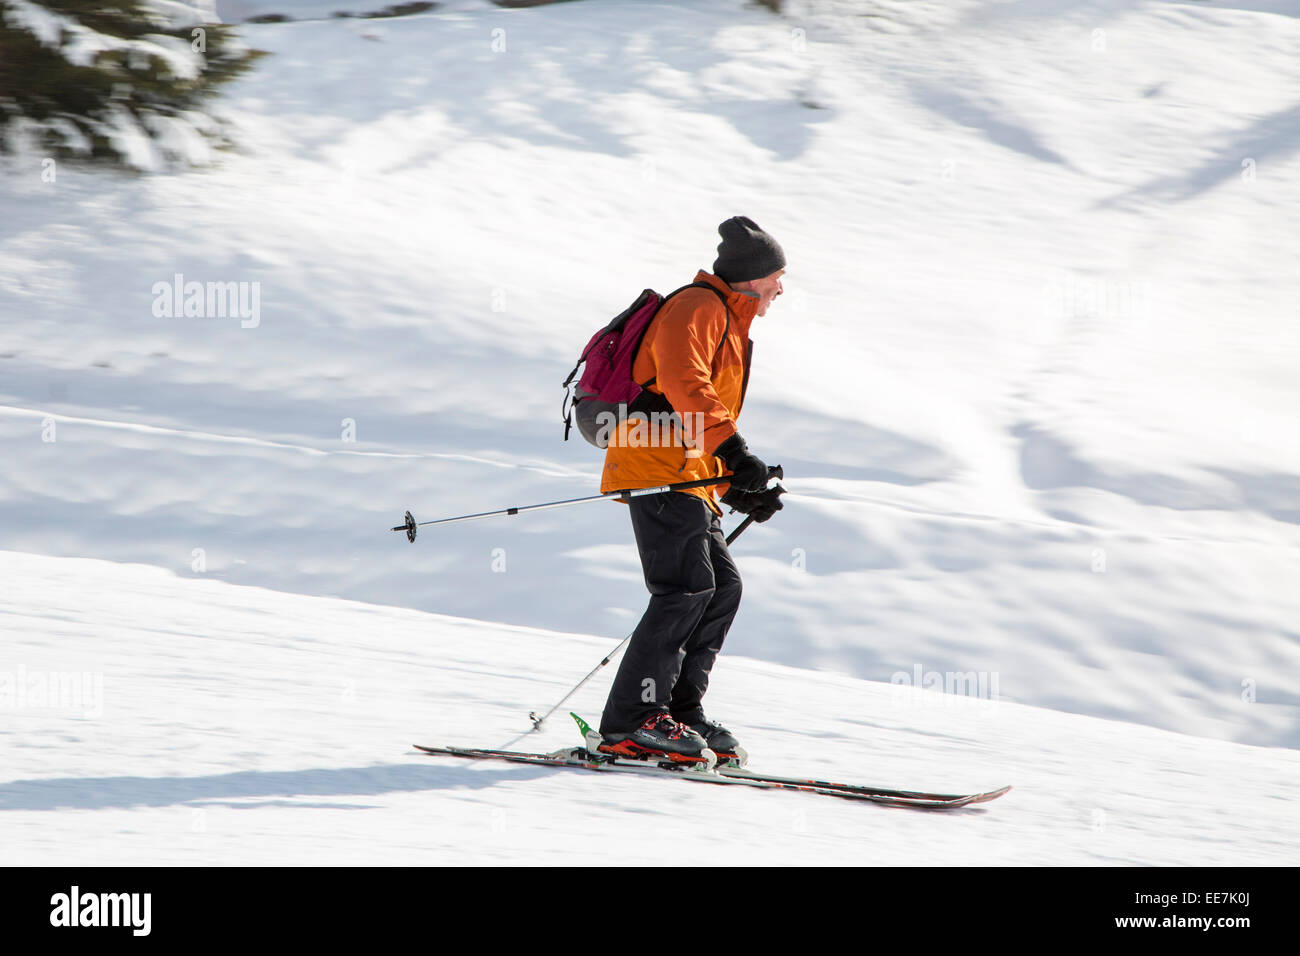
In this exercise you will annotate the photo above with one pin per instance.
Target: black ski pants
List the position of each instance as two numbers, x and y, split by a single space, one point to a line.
694 594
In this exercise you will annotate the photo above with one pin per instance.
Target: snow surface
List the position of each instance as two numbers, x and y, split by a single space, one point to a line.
239 725
1033 382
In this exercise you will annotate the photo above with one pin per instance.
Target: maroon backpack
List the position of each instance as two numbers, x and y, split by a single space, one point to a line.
607 392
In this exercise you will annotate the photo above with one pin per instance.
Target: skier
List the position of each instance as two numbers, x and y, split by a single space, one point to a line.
696 353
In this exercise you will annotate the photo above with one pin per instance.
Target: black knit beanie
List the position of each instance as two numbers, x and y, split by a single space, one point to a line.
746 252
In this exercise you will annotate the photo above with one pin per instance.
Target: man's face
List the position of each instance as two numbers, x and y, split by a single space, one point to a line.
767 289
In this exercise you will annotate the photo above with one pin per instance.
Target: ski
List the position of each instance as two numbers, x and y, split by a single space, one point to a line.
966 798
581 758
735 768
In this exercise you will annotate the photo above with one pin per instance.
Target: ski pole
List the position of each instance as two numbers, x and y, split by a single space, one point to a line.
410 524
750 518
538 721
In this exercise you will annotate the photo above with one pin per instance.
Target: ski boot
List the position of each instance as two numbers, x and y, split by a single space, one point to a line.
722 742
659 738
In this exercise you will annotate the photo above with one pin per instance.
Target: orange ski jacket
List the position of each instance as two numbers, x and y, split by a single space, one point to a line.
706 392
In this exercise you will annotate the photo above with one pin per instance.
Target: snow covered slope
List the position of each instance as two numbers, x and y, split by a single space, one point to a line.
1033 378
166 721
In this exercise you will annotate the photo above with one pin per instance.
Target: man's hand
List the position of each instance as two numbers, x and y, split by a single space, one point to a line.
748 473
761 505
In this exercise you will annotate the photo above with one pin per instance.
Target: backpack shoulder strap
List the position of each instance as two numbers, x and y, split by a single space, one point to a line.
725 329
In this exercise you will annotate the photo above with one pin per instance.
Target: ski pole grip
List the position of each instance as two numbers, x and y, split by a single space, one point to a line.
775 471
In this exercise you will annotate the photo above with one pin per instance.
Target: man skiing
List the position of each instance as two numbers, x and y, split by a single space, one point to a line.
696 354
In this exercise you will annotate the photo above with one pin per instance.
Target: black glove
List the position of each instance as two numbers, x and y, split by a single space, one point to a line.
748 473
760 504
